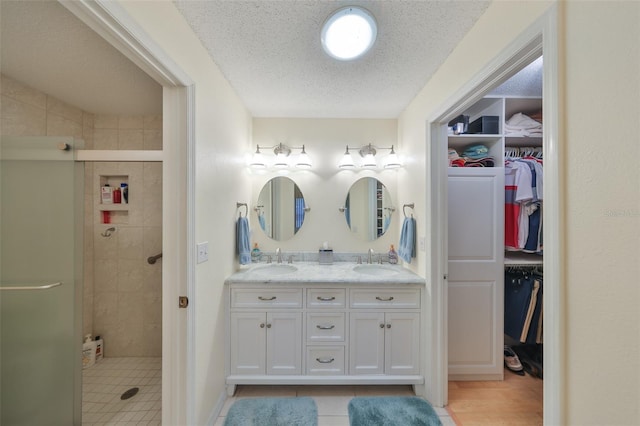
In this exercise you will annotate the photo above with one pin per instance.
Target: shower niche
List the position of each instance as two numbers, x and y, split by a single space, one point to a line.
113 193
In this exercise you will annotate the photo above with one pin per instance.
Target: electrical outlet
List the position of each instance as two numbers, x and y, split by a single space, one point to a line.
203 252
422 244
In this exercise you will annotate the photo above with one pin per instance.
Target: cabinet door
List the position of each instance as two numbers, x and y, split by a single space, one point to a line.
284 343
366 338
402 343
476 271
248 342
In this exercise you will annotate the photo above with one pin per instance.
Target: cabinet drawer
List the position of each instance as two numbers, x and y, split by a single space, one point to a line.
267 298
325 360
326 297
407 298
325 327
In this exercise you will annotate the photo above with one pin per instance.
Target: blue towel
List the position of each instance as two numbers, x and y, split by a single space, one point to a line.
242 240
407 246
387 222
262 221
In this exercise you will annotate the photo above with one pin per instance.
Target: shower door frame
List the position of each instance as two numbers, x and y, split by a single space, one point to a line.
112 22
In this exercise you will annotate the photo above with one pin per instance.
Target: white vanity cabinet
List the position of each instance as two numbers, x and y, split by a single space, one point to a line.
265 330
384 328
324 333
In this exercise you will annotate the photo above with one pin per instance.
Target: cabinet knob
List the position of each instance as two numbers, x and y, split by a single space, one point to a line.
262 325
388 325
326 327
384 299
326 299
325 360
381 325
268 325
267 298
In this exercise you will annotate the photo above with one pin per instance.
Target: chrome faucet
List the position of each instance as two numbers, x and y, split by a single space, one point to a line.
278 255
370 255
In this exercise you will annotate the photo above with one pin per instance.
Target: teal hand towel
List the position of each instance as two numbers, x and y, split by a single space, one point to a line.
407 246
242 240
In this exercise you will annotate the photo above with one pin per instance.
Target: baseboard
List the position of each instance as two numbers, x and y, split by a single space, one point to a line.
217 408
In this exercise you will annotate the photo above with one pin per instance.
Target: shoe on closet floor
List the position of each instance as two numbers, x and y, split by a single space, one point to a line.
512 362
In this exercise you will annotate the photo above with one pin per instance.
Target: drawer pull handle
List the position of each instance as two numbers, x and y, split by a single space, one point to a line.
326 327
267 298
326 299
384 299
325 360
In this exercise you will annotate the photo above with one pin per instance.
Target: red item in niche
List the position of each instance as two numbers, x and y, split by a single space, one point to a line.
106 216
117 196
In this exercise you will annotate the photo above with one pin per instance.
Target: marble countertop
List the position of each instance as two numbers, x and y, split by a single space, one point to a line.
312 272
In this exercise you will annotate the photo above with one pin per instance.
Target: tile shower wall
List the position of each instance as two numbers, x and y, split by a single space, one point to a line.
126 307
127 296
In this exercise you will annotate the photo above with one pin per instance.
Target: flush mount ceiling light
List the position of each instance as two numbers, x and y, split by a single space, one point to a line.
349 33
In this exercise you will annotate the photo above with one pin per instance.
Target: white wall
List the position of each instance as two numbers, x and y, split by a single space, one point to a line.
602 115
600 82
222 134
325 187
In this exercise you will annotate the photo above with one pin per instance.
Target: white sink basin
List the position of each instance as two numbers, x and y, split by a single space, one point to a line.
376 270
275 269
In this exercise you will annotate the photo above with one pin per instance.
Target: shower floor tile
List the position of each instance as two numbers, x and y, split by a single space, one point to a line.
104 383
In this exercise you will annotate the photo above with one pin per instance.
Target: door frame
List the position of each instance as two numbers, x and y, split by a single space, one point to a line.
111 21
540 38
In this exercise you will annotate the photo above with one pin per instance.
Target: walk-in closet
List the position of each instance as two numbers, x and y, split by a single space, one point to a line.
495 248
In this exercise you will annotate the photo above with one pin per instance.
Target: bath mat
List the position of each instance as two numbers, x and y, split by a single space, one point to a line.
273 412
391 411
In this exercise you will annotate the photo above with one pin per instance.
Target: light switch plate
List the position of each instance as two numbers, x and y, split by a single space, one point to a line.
203 252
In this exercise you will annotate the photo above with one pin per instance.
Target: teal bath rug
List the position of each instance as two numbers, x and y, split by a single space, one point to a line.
392 411
273 412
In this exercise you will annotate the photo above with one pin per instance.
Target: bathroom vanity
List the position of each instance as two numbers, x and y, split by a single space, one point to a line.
306 323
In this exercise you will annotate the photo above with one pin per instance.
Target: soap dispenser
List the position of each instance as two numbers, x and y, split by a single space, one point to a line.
393 255
255 253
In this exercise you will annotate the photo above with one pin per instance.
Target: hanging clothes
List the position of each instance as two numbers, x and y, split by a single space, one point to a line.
523 203
523 305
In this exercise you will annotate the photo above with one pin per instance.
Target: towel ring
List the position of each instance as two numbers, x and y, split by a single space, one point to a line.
246 209
410 205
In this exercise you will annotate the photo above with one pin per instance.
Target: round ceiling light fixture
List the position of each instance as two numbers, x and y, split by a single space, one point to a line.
349 33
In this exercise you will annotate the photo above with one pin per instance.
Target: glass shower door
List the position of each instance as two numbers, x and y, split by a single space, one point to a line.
40 275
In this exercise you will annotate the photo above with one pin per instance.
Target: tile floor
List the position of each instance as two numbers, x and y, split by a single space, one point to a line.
332 401
107 380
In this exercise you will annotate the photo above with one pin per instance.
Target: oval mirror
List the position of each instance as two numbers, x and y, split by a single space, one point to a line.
280 208
368 209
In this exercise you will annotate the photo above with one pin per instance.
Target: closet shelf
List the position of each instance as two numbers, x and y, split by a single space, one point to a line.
516 258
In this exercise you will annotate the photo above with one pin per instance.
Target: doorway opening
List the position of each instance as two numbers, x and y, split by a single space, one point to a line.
542 36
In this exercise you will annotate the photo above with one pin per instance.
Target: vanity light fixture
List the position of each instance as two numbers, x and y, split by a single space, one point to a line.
347 160
282 159
368 154
348 33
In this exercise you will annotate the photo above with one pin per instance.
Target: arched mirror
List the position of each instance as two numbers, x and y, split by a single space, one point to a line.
280 208
368 209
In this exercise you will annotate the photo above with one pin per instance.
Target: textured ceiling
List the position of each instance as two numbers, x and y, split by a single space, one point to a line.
271 54
268 50
49 49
